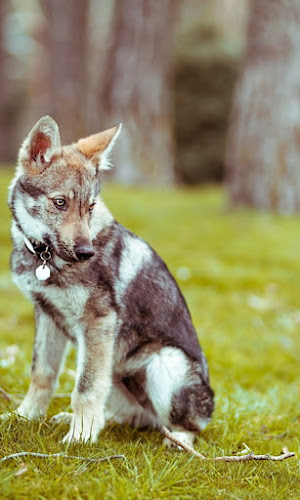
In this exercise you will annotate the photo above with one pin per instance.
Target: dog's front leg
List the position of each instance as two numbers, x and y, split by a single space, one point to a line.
48 353
93 379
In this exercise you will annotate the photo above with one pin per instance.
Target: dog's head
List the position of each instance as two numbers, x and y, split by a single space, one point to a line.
53 196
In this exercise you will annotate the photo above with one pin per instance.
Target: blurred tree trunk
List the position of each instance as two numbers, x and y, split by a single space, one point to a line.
263 151
4 128
136 90
65 40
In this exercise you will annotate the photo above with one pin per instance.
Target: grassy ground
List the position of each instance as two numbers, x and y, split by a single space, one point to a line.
240 274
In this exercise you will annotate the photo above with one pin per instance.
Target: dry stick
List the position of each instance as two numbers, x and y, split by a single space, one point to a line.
244 458
251 456
61 455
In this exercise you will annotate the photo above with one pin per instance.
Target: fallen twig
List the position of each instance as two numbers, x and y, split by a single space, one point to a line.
61 455
251 456
234 458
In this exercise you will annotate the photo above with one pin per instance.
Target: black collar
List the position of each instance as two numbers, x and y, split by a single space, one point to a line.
37 249
40 248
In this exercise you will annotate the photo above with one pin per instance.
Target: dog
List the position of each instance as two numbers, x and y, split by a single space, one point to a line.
96 284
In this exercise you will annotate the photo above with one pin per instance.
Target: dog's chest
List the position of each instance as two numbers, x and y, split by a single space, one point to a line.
63 297
70 303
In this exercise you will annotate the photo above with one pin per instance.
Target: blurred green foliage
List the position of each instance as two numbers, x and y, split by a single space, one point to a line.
240 274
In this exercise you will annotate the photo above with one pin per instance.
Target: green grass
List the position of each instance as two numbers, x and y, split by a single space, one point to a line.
240 274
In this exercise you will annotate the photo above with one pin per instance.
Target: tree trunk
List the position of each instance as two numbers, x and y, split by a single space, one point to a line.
263 151
136 90
5 153
65 40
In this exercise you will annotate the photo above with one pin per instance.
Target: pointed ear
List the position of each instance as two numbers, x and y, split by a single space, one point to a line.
39 146
97 147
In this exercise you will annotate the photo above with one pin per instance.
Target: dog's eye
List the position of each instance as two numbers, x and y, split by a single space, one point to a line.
59 203
91 207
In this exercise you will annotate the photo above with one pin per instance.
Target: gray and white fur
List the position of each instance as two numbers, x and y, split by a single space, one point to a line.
109 293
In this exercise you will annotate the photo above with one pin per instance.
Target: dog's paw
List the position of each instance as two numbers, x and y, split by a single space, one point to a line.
7 415
62 417
83 429
28 411
27 415
76 436
79 434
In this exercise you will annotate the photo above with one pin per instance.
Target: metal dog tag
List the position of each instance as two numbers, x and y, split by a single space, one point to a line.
42 272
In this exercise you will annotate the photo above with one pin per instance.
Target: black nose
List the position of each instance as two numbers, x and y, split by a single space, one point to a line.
84 252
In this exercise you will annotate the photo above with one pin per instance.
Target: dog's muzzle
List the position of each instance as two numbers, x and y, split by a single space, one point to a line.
84 251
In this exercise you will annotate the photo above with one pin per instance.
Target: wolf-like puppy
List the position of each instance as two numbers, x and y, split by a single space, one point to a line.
98 285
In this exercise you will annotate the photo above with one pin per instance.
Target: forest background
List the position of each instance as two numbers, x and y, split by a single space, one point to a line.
207 171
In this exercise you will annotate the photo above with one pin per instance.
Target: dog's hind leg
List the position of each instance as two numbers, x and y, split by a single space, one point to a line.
123 408
181 398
